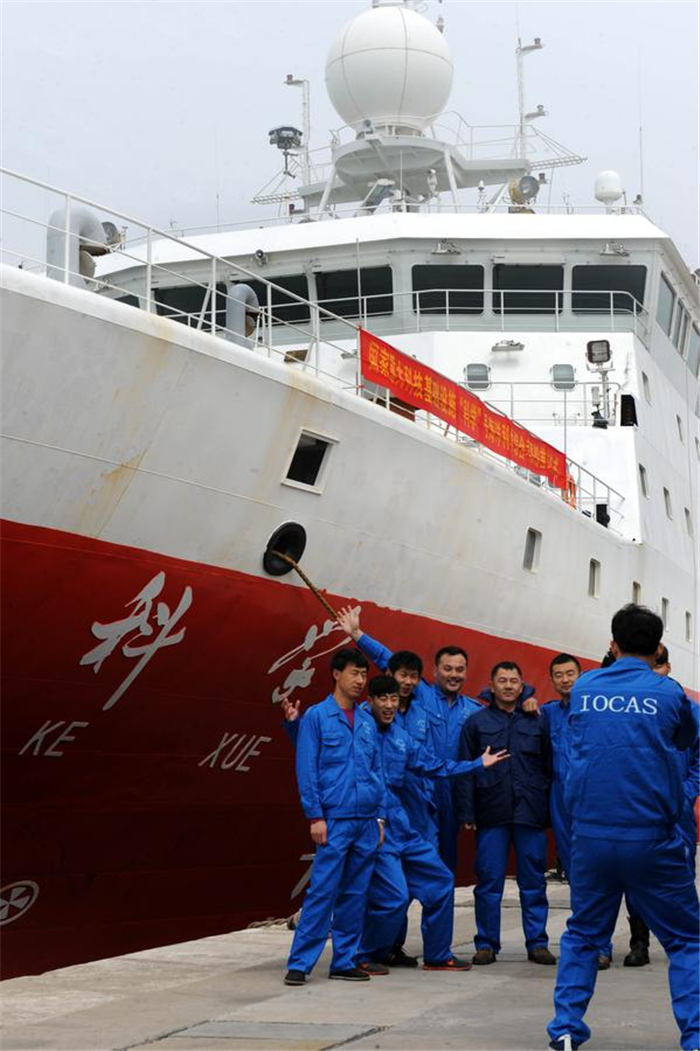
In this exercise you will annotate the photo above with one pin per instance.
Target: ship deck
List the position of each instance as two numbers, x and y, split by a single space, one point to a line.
226 992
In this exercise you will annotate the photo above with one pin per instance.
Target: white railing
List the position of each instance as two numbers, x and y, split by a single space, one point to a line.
334 357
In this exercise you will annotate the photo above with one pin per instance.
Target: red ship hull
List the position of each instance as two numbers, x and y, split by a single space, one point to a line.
170 813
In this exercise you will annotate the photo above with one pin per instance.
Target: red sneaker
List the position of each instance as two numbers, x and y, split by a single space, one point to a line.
453 964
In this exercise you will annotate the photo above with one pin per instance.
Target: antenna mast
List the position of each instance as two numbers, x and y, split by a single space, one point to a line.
523 117
297 82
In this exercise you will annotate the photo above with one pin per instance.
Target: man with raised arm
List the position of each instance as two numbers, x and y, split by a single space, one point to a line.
341 785
447 711
508 805
624 791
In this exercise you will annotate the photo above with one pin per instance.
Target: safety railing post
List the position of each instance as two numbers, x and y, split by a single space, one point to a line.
66 244
213 295
269 320
447 310
149 272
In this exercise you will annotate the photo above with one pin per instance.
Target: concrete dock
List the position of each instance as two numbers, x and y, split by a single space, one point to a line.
225 993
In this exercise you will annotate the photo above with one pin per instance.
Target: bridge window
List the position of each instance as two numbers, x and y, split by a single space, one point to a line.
285 310
594 578
533 546
664 309
478 376
338 291
680 328
184 303
643 480
665 606
694 350
520 289
448 289
598 289
563 377
636 592
667 503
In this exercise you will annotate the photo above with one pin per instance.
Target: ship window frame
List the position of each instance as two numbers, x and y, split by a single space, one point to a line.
462 299
594 578
289 312
643 480
688 521
619 298
533 550
693 355
636 593
483 382
668 503
688 626
350 306
665 611
646 388
680 327
559 381
510 300
681 433
318 484
665 304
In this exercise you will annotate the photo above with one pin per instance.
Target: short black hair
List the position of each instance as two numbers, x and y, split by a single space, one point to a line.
608 659
405 659
662 657
382 684
451 651
341 659
563 658
637 630
507 666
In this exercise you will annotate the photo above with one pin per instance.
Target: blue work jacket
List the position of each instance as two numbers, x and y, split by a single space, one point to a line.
339 768
514 792
625 729
402 757
445 717
556 714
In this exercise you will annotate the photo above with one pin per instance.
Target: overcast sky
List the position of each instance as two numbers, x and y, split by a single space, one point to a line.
155 107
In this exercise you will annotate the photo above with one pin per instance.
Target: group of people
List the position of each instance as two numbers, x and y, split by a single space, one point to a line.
391 768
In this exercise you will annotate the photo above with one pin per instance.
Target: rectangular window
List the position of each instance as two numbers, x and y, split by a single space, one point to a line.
478 376
594 578
601 289
184 304
667 503
338 291
664 309
646 387
636 592
679 425
285 310
441 289
308 458
531 556
688 521
522 289
643 480
665 611
680 327
688 626
694 350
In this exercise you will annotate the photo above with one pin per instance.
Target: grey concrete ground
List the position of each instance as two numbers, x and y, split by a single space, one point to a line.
226 993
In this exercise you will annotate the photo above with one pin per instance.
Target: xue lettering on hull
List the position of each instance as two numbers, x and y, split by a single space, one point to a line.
299 678
234 751
142 623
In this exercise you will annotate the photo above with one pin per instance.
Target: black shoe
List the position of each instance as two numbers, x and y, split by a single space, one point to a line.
483 957
638 956
372 967
564 1043
398 958
541 955
604 962
452 964
295 978
353 974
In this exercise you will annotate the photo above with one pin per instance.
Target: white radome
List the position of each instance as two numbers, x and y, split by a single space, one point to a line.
391 66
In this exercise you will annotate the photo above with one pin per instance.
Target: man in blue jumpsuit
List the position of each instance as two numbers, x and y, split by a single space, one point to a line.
342 792
508 805
447 711
408 865
624 791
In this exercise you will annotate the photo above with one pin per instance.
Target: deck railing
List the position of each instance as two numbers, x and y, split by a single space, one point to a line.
326 344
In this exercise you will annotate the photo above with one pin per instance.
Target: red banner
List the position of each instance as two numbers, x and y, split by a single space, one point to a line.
426 389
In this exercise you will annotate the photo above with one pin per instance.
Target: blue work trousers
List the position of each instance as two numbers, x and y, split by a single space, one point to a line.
656 877
447 823
492 847
415 871
337 895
